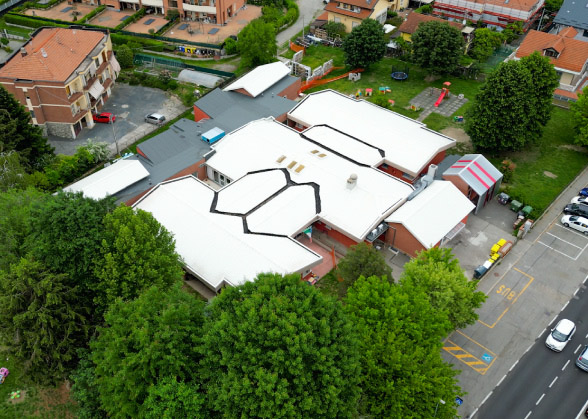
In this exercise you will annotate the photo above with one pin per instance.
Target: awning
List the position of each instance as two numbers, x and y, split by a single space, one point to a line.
115 65
96 89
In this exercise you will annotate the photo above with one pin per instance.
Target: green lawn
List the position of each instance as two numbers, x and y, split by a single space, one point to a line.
14 29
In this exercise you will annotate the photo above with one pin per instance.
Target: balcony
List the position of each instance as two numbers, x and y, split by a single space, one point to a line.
79 114
91 81
75 96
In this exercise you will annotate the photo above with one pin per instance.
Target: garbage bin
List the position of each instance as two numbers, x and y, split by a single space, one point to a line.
527 210
503 198
515 205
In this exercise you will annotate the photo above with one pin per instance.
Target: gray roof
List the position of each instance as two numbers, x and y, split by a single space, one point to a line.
476 171
573 13
231 110
167 154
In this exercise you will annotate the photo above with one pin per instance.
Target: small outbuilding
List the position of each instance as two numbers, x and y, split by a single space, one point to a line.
476 178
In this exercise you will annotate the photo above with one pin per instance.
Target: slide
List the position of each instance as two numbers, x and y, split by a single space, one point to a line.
318 82
441 96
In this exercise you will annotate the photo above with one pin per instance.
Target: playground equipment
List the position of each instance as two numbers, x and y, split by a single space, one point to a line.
399 75
444 93
3 374
319 82
368 92
354 76
384 90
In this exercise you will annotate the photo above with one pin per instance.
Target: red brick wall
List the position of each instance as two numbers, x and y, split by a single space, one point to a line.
458 182
291 92
394 172
199 114
292 124
243 92
403 240
340 237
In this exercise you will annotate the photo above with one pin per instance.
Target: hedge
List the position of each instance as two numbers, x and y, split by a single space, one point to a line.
118 39
35 5
90 15
132 19
165 27
30 23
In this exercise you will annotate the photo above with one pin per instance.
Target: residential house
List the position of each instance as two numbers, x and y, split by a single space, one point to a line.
351 12
494 13
413 20
568 54
207 11
572 13
61 76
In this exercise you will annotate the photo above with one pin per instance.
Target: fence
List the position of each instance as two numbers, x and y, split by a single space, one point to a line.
7 33
8 5
150 59
499 55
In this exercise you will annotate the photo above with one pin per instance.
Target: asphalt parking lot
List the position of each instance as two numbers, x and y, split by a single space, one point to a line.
130 104
526 291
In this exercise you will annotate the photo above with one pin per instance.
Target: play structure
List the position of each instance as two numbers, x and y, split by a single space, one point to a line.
444 94
3 374
319 82
399 75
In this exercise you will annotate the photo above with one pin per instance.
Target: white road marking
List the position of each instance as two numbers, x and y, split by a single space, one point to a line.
585 279
513 365
564 367
501 380
581 413
540 398
555 250
528 414
552 320
565 241
575 292
473 413
553 382
530 346
540 334
571 231
486 398
579 346
566 304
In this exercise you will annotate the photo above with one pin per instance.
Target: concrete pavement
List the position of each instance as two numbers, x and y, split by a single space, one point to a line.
309 10
525 292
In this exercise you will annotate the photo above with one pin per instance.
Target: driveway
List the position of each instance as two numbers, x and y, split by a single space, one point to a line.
130 104
309 10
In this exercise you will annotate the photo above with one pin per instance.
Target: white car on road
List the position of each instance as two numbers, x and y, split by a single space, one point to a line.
576 222
560 335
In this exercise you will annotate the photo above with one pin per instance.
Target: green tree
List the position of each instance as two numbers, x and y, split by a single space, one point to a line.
334 29
84 390
580 117
363 260
485 42
257 44
136 253
502 116
437 47
143 342
171 399
400 347
544 82
553 5
436 272
66 235
230 46
277 348
513 30
17 133
15 224
365 44
125 56
12 173
41 323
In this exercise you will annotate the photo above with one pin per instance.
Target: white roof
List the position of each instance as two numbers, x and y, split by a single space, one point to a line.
408 144
110 180
433 213
267 144
260 78
215 246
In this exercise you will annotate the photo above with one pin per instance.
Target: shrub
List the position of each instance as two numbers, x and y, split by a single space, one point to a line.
90 15
230 46
30 22
4 41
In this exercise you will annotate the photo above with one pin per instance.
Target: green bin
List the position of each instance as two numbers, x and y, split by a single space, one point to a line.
527 210
515 205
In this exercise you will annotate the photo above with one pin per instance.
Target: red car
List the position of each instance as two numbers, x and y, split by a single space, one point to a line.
104 117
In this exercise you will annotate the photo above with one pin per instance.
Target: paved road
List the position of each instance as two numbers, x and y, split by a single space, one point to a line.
545 384
309 10
525 292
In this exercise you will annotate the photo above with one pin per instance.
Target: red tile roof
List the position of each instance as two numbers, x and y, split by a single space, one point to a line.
332 7
52 55
568 32
573 54
413 20
503 7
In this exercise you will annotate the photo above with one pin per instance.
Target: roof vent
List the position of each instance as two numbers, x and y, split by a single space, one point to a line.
432 170
43 53
23 52
281 159
352 181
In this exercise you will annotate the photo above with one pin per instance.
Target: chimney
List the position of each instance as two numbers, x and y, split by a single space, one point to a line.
432 170
23 52
352 181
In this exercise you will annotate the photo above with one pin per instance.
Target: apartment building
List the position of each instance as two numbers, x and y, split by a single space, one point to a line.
61 76
207 11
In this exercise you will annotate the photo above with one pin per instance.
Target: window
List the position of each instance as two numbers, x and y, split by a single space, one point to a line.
97 62
215 174
337 20
67 90
550 53
585 34
354 24
32 114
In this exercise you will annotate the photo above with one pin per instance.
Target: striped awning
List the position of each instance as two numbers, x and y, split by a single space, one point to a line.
96 89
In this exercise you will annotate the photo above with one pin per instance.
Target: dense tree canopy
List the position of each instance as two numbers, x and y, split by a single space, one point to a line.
437 47
362 260
580 116
513 106
365 44
171 399
257 43
485 42
144 341
18 134
277 348
40 322
437 274
400 347
136 253
12 173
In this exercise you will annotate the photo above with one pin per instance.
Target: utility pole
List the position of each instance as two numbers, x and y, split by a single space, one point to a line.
113 133
541 20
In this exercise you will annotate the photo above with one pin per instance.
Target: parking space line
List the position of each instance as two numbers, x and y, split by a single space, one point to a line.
531 279
555 250
572 231
467 358
560 239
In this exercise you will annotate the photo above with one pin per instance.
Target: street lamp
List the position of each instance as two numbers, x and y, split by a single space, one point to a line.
436 407
111 122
